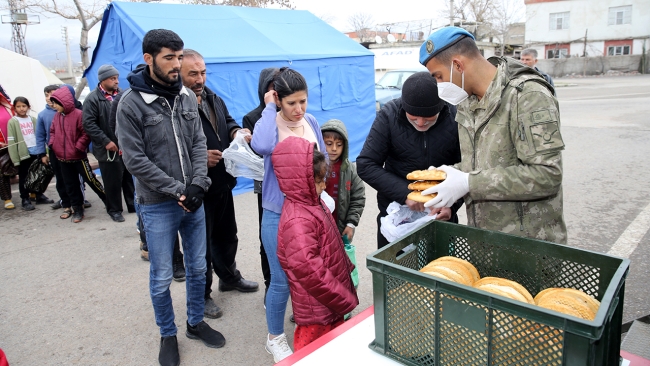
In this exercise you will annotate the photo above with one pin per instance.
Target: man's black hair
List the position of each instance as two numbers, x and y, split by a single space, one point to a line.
466 47
287 81
156 39
50 88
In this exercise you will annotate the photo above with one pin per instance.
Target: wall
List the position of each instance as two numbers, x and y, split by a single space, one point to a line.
593 65
591 15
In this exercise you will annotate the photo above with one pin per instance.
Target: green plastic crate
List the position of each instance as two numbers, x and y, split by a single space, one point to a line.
423 320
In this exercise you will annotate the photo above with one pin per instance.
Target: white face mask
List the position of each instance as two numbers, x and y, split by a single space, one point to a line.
450 92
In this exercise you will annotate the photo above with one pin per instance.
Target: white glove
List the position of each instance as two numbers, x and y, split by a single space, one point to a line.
451 190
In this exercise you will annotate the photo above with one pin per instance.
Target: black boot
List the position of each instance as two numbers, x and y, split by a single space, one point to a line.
168 355
77 214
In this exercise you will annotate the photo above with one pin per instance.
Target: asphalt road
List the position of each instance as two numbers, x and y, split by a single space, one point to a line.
77 294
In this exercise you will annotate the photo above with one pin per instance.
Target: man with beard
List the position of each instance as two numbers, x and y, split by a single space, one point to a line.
160 133
221 228
96 122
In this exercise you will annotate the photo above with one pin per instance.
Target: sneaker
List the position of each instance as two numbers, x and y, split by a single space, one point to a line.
27 205
179 271
9 205
56 205
212 311
43 199
209 336
278 347
144 253
168 355
87 204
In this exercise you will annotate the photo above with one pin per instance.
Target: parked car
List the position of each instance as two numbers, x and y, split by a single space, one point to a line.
389 86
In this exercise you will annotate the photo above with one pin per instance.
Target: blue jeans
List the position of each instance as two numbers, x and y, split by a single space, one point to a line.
163 221
278 294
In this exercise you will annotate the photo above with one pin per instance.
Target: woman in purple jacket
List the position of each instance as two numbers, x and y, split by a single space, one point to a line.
292 119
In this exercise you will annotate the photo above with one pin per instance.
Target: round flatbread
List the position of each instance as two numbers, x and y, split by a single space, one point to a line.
427 175
497 281
422 185
418 197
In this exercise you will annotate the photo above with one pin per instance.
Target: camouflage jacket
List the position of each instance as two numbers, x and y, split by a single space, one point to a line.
511 144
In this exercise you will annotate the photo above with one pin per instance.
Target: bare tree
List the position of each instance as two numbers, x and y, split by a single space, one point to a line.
249 3
90 12
506 12
479 12
362 24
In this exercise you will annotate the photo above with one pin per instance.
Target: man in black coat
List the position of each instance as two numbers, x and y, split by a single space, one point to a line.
96 122
221 228
409 133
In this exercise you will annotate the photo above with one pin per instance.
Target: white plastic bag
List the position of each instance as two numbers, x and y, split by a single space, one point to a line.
400 221
329 201
240 159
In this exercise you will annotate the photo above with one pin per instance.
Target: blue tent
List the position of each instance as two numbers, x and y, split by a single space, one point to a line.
238 42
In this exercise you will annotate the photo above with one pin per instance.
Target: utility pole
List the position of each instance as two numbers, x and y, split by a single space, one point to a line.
451 13
64 33
19 21
584 54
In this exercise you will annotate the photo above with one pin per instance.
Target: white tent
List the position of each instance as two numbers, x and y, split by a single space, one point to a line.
24 76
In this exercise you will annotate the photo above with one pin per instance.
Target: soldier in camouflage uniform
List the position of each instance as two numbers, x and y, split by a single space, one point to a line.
510 173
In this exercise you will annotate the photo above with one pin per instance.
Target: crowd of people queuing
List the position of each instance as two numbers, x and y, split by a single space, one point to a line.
491 125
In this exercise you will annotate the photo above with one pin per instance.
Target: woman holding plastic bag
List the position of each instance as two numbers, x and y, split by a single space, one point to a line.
290 95
410 133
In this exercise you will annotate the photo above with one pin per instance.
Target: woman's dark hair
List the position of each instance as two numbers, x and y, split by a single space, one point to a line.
287 81
22 100
155 39
320 165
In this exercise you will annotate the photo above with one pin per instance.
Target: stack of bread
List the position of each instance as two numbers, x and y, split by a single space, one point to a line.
564 300
424 179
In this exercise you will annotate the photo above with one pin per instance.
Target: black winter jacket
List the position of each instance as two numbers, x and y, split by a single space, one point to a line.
96 122
395 148
218 140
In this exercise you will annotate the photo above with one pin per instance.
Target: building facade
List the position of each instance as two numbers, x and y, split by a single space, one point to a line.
570 28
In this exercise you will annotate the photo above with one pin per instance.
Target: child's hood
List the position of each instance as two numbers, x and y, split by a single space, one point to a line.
66 98
338 126
293 161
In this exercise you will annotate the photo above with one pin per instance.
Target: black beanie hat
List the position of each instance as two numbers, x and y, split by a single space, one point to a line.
420 95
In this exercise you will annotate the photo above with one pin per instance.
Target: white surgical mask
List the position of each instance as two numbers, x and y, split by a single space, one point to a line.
450 92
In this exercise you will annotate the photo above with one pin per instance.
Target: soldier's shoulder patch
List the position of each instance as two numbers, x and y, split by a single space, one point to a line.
545 130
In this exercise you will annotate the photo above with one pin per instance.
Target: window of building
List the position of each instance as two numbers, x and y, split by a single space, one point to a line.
559 21
618 50
620 15
557 53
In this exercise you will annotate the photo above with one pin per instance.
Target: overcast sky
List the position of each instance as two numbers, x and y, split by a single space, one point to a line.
45 43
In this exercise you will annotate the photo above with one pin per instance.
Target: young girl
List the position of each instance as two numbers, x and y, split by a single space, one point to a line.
70 142
21 138
310 248
291 119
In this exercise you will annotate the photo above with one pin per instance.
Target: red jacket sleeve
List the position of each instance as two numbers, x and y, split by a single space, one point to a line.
304 262
84 140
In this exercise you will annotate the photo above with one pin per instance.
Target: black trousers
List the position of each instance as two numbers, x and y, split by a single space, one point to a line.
222 241
117 180
5 187
71 170
266 270
60 182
